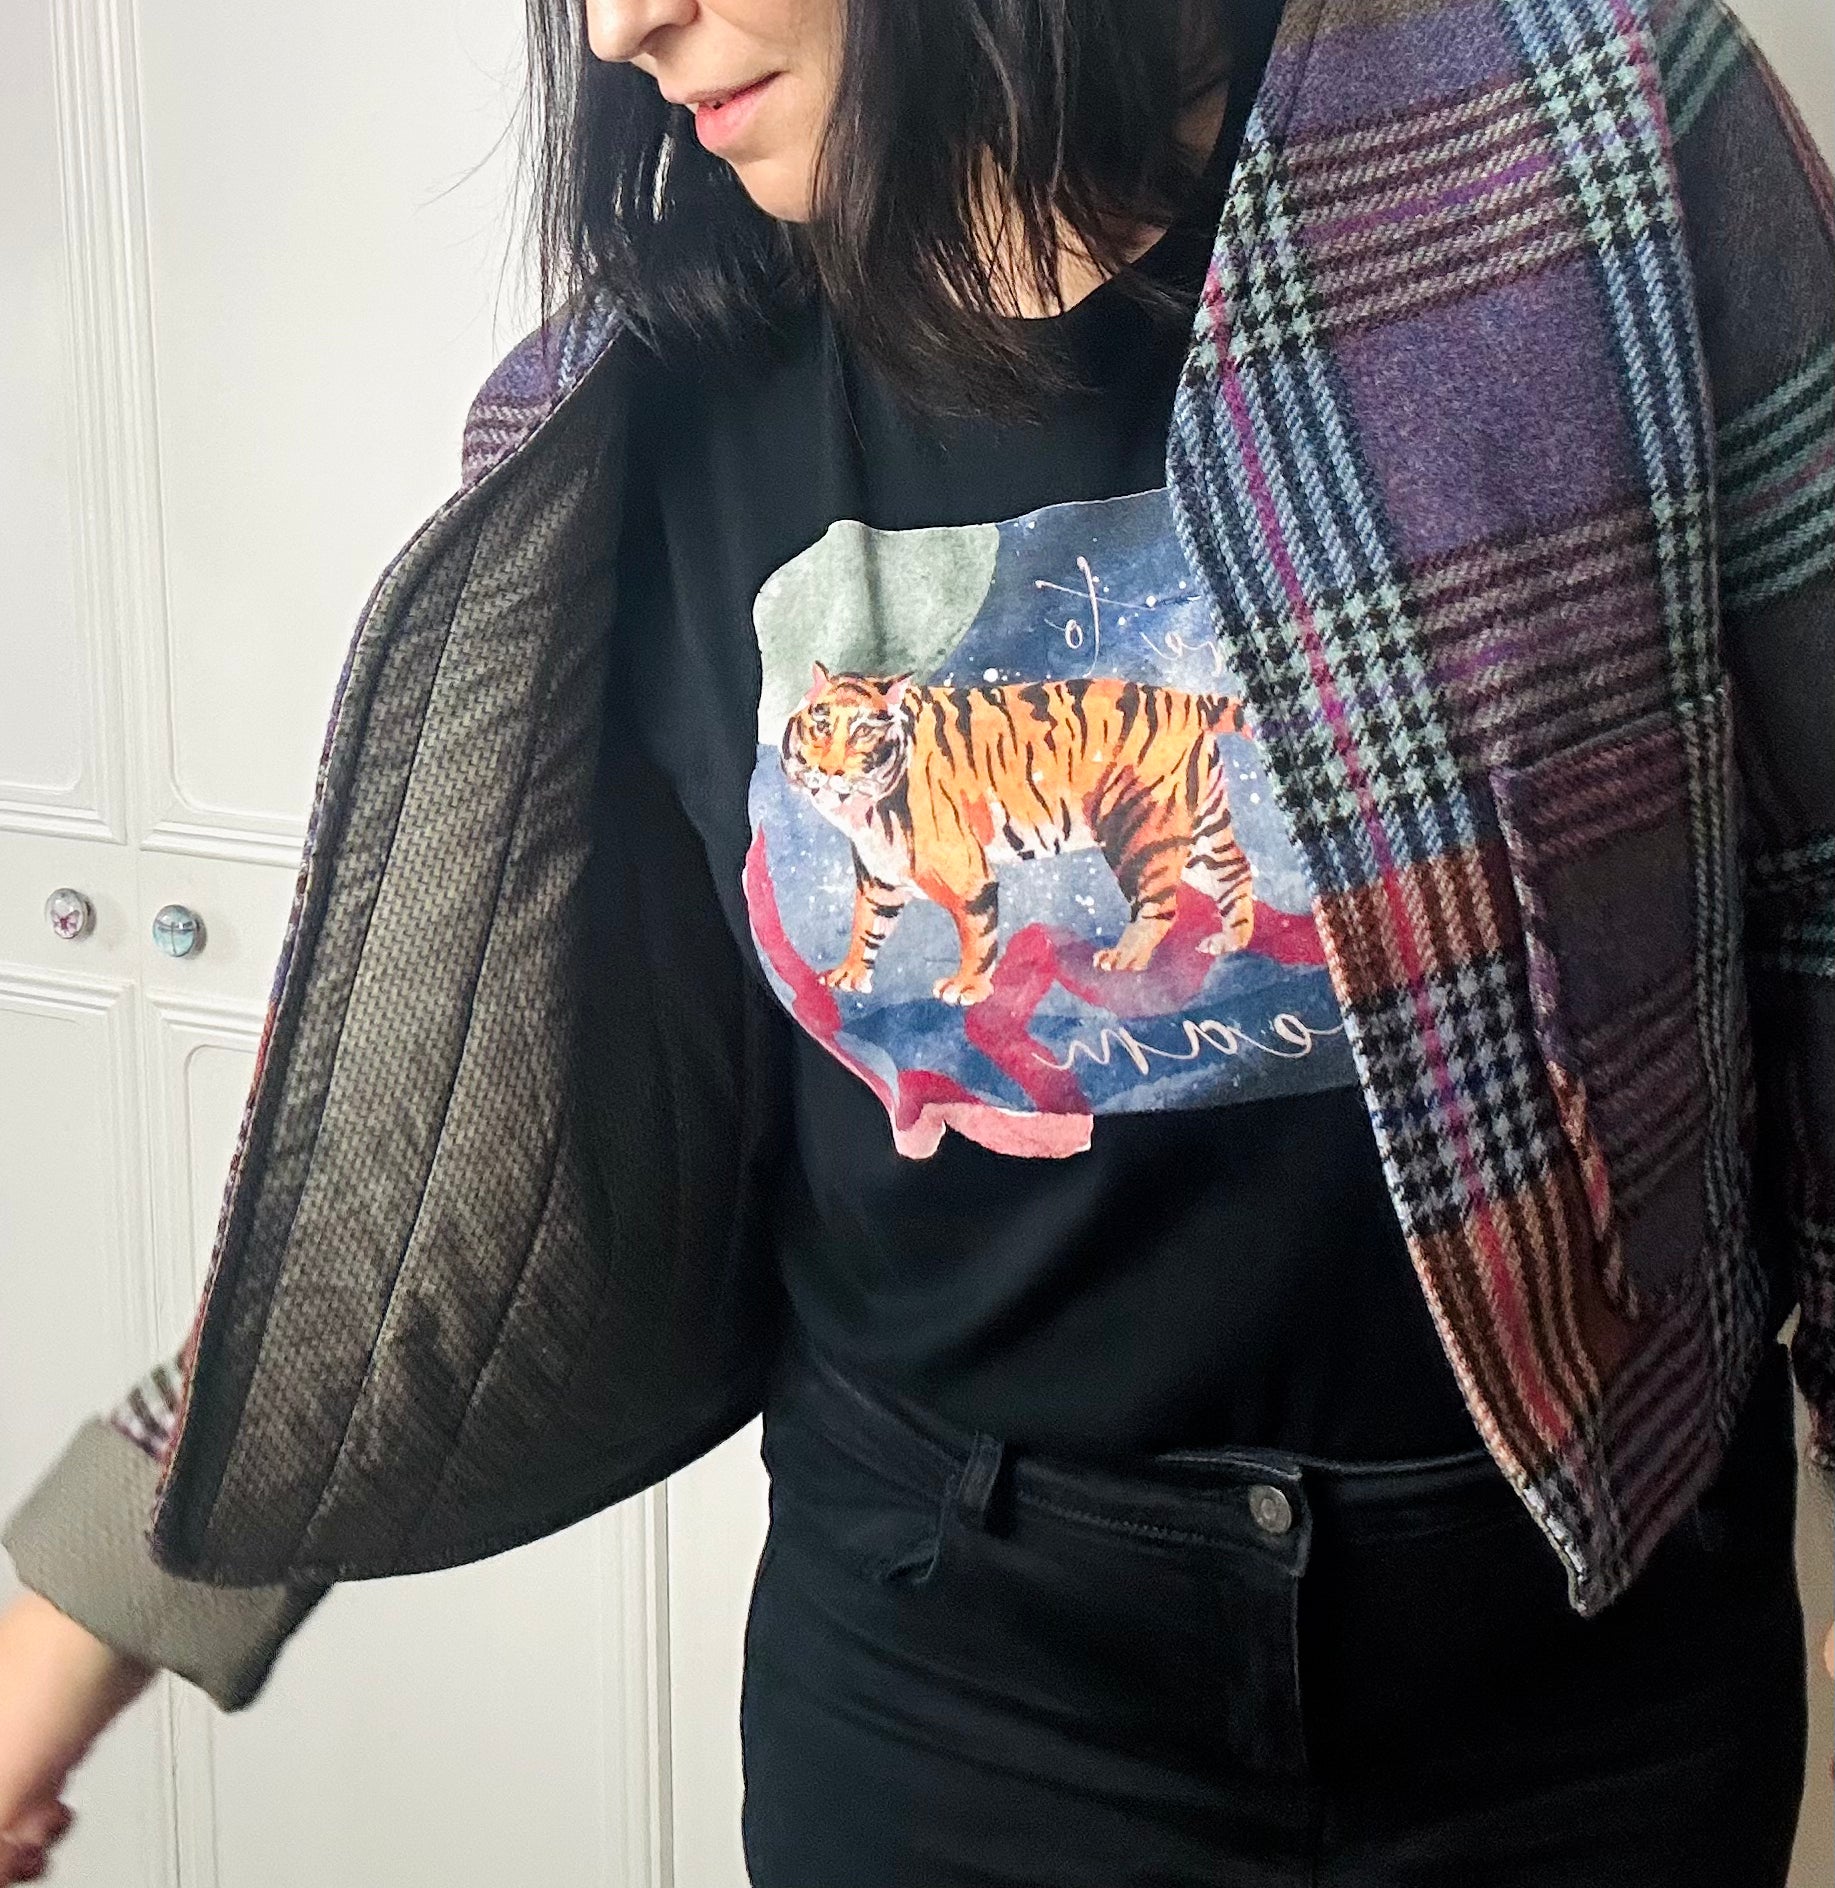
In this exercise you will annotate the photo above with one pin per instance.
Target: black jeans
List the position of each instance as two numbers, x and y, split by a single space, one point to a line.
966 1664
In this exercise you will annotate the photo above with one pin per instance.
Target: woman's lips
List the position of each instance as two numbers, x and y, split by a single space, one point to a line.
717 125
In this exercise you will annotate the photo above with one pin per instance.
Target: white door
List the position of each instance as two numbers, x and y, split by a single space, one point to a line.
252 262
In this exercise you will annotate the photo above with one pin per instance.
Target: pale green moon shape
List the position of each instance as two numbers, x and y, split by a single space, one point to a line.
868 602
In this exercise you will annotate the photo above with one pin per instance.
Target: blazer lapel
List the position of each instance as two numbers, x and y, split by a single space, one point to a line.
1439 454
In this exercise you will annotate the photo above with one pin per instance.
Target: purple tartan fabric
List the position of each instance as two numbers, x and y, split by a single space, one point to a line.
1507 450
529 382
1449 453
1762 207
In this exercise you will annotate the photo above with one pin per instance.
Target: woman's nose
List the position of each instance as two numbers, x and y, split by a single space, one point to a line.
620 29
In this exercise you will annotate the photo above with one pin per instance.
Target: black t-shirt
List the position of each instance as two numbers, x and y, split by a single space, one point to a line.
1080 1157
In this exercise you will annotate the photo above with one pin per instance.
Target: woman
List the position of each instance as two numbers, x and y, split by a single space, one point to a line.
1163 637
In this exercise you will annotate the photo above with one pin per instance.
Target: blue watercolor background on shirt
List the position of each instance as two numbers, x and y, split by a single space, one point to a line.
1036 621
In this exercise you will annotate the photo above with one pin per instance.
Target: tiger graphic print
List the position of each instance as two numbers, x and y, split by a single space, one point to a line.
1014 861
935 787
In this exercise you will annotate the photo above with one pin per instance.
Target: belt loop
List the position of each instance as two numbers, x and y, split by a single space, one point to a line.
980 1473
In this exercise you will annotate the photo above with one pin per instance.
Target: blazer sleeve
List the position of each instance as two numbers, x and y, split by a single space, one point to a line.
79 1538
1758 208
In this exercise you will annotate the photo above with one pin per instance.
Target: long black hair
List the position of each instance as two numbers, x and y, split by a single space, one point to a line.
1071 105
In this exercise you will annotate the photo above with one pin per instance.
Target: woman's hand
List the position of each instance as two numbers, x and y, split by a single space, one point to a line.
1828 1652
59 1687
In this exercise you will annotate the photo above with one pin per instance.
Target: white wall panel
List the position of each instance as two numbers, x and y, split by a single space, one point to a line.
73 1309
439 1728
44 742
324 280
717 1518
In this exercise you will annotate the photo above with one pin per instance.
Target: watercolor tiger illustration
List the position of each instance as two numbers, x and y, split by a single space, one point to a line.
937 786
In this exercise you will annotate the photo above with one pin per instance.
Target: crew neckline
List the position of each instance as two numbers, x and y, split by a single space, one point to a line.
1163 255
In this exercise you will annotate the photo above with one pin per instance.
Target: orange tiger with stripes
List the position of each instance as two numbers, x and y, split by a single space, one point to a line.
936 786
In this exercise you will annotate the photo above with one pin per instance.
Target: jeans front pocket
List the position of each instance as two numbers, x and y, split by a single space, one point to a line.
843 1493
1748 1512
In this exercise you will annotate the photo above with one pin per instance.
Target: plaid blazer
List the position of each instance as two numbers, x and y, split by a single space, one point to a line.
1505 453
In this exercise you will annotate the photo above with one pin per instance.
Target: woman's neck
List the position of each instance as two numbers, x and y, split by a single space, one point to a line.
1078 274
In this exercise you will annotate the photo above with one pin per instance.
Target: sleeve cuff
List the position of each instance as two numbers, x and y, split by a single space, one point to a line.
78 1539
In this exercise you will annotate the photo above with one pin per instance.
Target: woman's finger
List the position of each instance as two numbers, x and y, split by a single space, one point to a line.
21 1861
26 1842
40 1825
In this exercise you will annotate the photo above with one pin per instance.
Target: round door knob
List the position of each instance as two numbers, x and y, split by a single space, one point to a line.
178 930
70 914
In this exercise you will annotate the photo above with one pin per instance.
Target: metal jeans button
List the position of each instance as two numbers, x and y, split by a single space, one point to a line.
1272 1510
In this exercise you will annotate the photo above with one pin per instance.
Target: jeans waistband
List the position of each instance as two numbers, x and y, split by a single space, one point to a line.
1175 1489
1179 1487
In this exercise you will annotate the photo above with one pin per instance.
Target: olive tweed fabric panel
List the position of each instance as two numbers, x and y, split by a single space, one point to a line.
454 841
80 1537
430 1277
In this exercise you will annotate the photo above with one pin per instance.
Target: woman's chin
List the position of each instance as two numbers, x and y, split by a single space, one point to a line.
779 189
